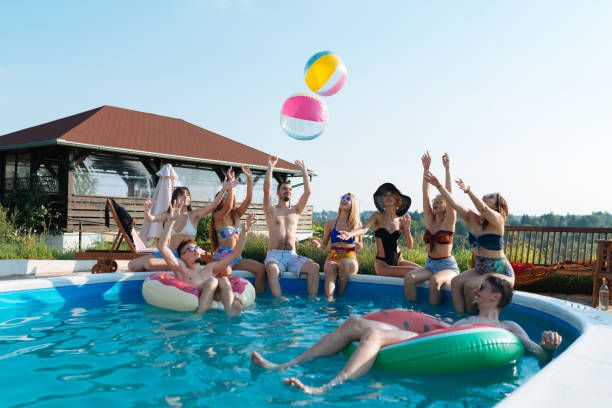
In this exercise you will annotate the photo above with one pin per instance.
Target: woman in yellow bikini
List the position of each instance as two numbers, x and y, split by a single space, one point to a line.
341 261
225 230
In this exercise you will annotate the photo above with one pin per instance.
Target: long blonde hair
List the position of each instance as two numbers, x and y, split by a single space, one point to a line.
353 218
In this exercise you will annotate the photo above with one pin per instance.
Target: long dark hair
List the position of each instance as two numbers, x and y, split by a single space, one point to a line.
178 191
212 231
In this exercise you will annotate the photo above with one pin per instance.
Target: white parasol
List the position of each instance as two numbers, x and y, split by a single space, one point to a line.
161 197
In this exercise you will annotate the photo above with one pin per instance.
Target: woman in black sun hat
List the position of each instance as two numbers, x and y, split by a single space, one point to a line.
389 223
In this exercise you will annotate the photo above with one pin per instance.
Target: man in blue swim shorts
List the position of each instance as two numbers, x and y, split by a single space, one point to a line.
282 225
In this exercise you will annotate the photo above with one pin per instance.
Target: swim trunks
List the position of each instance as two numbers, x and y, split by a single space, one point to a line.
286 260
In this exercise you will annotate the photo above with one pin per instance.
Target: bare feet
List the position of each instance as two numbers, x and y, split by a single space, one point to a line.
294 382
236 307
331 299
257 359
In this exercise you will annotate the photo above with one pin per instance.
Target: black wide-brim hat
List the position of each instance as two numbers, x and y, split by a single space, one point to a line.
379 201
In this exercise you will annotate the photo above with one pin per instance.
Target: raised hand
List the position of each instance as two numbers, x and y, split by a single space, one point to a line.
246 170
175 210
300 164
551 340
315 243
272 160
405 222
426 160
251 219
229 184
446 161
344 235
230 174
462 186
431 179
149 204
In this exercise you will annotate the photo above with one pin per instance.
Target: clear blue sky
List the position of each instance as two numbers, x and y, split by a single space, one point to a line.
517 92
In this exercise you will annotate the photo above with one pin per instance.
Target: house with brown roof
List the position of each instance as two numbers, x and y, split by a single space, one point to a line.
81 159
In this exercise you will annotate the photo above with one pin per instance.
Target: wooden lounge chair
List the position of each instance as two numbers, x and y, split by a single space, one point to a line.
107 258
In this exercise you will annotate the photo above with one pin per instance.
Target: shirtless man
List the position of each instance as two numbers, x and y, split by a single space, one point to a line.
210 279
282 225
491 296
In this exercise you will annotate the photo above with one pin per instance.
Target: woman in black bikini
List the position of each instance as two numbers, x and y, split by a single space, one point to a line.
487 240
440 267
341 261
392 205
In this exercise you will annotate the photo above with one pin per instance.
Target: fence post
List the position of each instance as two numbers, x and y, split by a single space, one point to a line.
80 235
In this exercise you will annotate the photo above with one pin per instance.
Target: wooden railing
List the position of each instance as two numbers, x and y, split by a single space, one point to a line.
551 245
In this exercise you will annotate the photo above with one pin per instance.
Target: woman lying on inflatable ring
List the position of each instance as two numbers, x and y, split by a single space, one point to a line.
211 279
490 297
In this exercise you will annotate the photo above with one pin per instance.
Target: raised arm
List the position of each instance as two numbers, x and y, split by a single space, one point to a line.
226 187
447 179
221 265
405 222
427 211
301 204
359 231
267 196
489 214
326 235
228 198
162 243
148 205
465 213
246 170
543 351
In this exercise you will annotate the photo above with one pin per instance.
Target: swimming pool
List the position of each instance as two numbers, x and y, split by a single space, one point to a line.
96 343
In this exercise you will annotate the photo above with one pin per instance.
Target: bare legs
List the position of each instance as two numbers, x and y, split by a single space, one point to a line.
403 267
341 270
273 272
310 269
372 336
147 263
436 280
256 268
219 288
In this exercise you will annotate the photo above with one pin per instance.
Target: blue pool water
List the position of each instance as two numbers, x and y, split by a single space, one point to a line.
101 345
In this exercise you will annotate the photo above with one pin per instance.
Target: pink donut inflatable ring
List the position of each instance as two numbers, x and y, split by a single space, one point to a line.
163 290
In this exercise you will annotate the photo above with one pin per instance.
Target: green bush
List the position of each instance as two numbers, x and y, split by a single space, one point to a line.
32 210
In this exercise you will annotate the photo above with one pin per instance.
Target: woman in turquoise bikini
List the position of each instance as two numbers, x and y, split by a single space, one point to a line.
225 230
486 238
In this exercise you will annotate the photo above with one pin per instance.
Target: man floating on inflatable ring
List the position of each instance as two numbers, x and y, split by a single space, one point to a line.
210 279
490 297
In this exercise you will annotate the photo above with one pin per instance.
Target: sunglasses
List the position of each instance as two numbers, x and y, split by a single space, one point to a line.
481 287
492 195
346 197
437 201
191 249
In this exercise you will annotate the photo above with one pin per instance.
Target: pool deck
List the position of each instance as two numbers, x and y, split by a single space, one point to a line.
579 376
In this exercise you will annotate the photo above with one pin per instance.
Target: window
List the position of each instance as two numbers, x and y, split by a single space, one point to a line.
203 183
112 176
47 177
17 171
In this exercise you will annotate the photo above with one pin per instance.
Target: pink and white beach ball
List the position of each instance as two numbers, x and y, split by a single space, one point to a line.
304 116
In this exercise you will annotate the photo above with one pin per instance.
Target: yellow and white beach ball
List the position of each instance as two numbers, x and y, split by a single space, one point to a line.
325 73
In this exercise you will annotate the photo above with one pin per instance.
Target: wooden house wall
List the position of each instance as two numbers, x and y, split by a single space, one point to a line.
89 210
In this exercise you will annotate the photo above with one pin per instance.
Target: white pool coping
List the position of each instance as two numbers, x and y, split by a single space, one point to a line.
579 376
